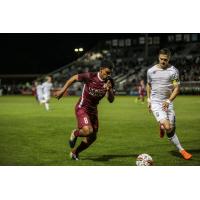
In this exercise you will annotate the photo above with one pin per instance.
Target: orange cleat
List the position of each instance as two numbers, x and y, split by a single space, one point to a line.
162 131
186 155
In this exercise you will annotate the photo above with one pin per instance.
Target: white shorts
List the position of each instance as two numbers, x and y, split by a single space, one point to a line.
40 98
46 97
160 115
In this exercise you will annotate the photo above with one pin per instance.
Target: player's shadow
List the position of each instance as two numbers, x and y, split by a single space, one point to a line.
108 157
192 151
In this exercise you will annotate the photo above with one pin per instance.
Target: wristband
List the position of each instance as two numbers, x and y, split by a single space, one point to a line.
168 101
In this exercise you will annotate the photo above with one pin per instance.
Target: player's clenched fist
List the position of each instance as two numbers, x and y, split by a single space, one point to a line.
59 94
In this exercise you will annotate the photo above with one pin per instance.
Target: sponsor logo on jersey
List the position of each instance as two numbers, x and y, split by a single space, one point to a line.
96 92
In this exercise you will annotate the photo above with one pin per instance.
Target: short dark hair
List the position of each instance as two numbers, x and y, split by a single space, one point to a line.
107 64
165 51
48 76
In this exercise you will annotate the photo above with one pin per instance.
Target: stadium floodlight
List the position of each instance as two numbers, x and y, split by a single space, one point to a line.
80 49
76 50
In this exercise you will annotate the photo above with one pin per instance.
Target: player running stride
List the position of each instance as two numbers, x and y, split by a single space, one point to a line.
47 87
141 92
96 86
39 92
163 86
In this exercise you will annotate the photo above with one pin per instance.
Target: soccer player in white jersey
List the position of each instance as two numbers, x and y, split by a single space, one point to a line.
39 92
163 86
47 86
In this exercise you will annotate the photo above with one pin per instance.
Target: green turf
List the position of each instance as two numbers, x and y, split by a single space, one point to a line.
31 136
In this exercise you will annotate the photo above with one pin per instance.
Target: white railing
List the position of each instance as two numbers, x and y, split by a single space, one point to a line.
190 87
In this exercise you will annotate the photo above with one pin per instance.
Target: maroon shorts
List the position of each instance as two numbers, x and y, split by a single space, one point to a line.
142 93
86 118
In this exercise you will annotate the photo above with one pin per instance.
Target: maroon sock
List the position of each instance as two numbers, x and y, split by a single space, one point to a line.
82 146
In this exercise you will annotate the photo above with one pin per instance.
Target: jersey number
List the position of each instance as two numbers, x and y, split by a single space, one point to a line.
85 120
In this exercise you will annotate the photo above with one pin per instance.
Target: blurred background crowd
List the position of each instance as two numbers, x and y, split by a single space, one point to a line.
132 57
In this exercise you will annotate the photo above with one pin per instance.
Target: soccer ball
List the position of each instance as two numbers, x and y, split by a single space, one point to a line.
144 160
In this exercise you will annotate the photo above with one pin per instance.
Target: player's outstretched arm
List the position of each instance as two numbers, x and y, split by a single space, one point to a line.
68 83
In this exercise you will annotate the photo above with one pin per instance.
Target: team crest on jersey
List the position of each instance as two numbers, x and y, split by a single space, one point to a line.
153 72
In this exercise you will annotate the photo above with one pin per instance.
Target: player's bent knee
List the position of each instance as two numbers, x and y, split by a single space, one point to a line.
168 129
167 126
87 130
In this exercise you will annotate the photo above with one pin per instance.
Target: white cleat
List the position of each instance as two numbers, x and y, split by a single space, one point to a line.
72 140
73 156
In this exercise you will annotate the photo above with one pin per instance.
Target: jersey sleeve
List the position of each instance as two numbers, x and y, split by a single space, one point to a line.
84 77
175 77
148 77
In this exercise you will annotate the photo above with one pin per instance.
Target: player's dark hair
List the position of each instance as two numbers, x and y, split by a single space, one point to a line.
107 64
48 76
165 51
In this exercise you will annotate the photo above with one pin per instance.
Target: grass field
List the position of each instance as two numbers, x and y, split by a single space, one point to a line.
29 135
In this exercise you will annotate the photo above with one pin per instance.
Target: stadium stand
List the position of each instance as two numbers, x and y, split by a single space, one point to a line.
131 64
133 56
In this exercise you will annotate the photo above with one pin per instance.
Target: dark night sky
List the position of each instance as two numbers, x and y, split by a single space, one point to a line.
40 53
43 53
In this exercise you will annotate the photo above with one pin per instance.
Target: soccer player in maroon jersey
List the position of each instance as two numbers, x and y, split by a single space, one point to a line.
141 91
96 86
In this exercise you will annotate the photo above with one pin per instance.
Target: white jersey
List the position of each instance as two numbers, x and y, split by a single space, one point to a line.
47 88
39 92
161 81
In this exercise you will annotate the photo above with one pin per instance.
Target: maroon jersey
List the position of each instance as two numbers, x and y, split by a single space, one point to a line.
141 90
93 90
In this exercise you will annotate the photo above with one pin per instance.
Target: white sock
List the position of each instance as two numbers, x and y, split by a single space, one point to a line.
174 140
46 106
